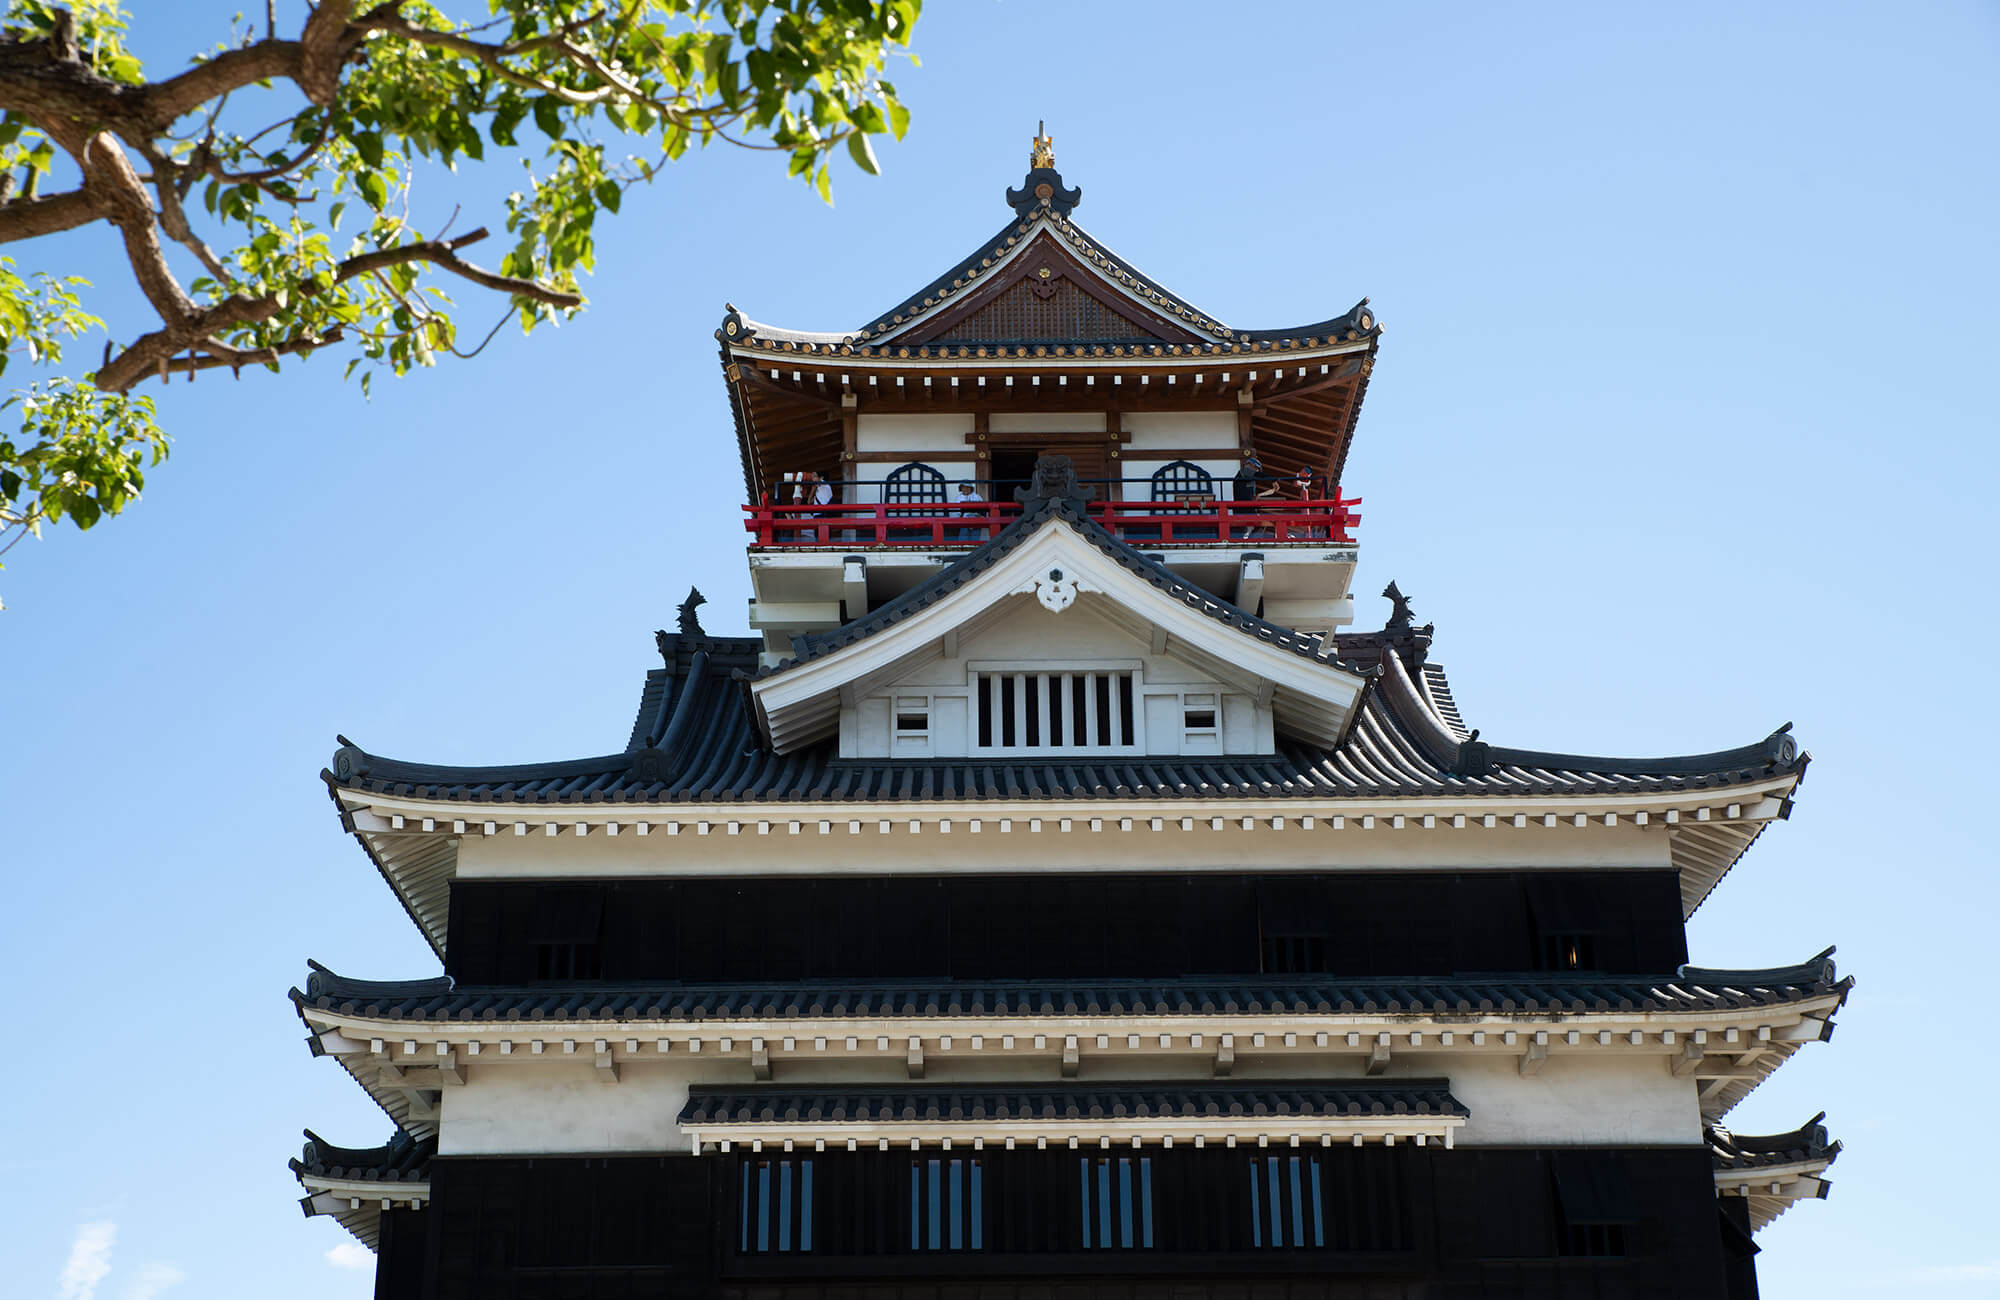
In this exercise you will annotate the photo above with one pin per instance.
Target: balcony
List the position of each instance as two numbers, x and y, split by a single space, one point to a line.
1191 520
814 567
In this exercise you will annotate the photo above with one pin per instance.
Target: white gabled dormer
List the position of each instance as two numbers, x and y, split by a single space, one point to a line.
1056 639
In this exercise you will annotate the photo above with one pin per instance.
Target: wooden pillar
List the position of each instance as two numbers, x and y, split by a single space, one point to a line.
850 438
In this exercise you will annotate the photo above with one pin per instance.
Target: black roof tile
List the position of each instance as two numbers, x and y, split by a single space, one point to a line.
1536 994
402 1159
1004 1102
1805 1144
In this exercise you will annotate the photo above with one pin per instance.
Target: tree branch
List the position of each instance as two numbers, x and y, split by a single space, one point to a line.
151 352
29 218
162 104
215 356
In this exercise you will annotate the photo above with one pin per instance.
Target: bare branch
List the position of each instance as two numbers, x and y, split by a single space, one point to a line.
29 218
173 217
443 253
216 356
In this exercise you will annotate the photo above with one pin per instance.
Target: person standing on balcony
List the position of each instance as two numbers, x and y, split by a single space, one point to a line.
811 490
1309 485
1245 489
972 506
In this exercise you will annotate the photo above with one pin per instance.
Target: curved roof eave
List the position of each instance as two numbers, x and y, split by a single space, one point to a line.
975 270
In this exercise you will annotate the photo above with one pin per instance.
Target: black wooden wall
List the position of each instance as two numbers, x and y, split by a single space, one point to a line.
1063 926
1405 1224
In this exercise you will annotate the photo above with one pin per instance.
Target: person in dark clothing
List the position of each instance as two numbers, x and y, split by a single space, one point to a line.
1246 486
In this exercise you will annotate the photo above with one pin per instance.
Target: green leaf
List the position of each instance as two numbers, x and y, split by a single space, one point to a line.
548 116
608 194
373 189
863 154
899 118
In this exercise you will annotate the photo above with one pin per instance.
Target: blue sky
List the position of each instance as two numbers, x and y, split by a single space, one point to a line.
1680 430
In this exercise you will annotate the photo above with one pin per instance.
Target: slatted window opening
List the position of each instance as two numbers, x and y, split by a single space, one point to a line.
947 1205
1078 710
775 1215
1294 954
1286 1210
1117 1206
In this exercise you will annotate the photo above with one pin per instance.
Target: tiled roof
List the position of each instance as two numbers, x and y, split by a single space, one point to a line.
879 336
398 1170
1526 995
1807 1144
696 741
1003 1102
1773 1171
719 759
402 1159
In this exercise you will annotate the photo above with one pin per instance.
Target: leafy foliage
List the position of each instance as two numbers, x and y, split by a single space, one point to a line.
259 239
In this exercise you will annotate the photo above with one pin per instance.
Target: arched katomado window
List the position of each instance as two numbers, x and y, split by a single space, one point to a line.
1181 479
914 483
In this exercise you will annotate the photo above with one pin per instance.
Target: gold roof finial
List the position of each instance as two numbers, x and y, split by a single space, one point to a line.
1044 152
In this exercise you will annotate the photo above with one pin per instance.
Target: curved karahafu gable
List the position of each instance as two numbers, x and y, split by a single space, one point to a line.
1055 555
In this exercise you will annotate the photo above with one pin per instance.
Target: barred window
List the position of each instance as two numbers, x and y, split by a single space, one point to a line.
1055 710
1117 1209
913 484
1183 478
946 1205
776 1213
1285 1206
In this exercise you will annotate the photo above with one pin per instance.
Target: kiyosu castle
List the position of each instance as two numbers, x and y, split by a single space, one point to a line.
1053 895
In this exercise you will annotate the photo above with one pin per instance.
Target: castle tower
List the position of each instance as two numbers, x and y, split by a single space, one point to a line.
1051 897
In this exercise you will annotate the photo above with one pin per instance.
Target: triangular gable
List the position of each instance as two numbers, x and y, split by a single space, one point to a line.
1041 293
1057 564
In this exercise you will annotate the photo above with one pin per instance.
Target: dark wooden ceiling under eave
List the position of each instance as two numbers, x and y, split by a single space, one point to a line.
793 419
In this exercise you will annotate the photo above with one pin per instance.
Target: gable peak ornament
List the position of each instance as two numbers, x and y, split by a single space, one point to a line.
1056 591
1043 189
1042 153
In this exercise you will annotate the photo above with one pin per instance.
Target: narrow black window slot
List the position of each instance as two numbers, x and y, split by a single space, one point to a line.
568 961
1294 954
1572 950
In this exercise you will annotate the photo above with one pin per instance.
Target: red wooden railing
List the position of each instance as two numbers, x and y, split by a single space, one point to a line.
1147 523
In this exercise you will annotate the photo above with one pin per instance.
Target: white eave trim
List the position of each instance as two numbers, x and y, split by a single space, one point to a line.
1279 1131
834 366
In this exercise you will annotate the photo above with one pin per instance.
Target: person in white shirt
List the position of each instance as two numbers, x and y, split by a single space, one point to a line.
811 490
973 506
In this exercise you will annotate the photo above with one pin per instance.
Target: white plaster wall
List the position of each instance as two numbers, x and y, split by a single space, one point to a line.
938 431
562 1107
1047 422
1574 1099
1173 430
